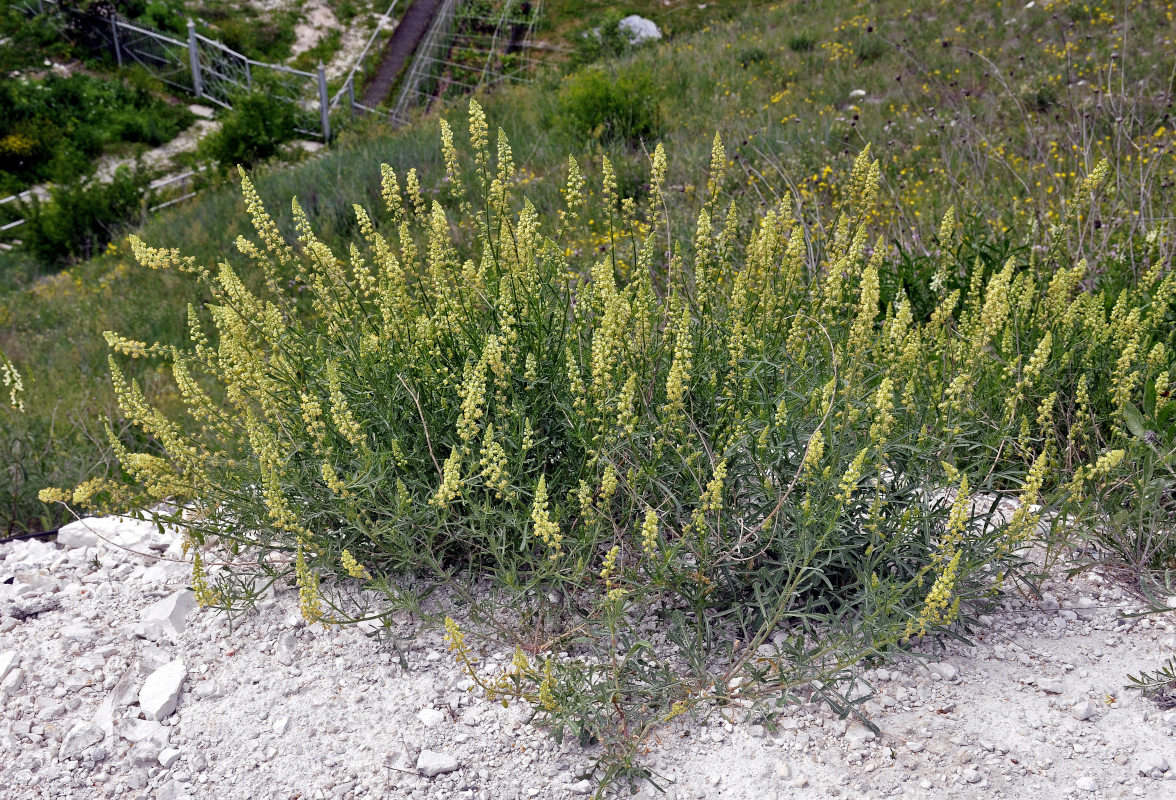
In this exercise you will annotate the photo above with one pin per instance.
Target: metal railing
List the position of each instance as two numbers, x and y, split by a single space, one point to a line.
211 71
200 66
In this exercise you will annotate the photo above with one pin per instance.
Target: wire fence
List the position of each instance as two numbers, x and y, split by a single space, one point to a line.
460 52
463 51
362 67
197 65
164 57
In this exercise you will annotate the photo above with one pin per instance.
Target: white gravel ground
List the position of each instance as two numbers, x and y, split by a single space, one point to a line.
276 709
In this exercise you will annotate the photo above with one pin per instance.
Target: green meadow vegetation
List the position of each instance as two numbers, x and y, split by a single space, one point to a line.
599 372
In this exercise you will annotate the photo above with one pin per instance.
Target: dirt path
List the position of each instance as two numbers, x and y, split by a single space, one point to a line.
399 50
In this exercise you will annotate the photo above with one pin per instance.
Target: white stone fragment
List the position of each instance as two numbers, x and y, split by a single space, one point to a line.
37 579
78 534
170 614
145 753
168 756
77 633
138 730
11 685
430 717
161 690
104 717
1050 685
858 734
9 660
122 537
173 790
285 648
639 29
581 787
1152 765
81 737
431 764
1087 784
857 94
125 691
1083 710
945 670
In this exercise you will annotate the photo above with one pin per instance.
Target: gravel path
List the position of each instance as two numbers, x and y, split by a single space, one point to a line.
113 685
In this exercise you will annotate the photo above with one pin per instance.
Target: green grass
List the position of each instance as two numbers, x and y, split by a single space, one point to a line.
950 128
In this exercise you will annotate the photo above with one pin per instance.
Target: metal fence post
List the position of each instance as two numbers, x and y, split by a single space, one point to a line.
194 60
351 94
324 107
114 38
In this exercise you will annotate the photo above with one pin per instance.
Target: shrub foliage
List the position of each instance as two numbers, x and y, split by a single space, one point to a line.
259 123
709 472
596 104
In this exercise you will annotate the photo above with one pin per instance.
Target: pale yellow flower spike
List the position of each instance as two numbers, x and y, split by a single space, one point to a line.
545 528
13 382
354 568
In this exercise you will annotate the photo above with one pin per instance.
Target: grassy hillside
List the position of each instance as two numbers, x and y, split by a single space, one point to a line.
994 110
711 414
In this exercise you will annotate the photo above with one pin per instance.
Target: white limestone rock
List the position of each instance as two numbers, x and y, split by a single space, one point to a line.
431 764
945 670
138 730
161 690
11 685
639 29
81 737
169 615
173 790
430 717
1083 710
9 660
1050 685
121 537
1152 765
145 753
859 734
78 533
285 648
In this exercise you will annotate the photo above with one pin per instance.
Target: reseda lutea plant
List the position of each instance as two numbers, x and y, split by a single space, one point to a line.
699 474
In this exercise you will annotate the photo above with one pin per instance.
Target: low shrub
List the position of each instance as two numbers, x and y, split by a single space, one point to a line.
802 42
81 217
705 473
602 105
602 40
258 124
